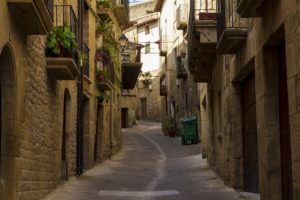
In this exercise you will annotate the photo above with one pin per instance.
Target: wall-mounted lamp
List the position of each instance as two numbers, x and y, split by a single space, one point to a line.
123 40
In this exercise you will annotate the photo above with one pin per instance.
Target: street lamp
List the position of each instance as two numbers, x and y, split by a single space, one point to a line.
123 40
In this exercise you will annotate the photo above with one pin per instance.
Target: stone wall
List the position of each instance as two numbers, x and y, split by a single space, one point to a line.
153 98
33 102
130 101
224 135
139 10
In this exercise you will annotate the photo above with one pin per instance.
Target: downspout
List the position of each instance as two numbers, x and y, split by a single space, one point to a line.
79 160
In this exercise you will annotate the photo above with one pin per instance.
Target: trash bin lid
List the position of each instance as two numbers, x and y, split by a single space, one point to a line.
188 119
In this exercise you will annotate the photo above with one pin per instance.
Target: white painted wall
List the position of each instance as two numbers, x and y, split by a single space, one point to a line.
150 61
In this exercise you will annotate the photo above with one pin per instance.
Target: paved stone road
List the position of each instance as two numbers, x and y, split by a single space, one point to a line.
150 166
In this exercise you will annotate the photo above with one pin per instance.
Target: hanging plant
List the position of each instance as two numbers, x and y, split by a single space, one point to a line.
102 75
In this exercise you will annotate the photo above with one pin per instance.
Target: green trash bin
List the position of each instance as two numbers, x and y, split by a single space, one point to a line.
189 131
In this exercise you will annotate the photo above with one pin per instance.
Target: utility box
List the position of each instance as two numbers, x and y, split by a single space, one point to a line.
189 131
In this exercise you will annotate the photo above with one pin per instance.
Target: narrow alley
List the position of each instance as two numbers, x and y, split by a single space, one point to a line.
150 166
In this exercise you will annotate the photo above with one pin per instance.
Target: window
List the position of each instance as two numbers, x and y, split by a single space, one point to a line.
147 48
147 30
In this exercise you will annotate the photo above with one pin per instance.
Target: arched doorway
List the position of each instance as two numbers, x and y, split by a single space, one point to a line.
65 131
9 142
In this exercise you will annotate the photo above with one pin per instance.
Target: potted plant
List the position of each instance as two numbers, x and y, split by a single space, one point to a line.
61 42
146 78
102 75
103 56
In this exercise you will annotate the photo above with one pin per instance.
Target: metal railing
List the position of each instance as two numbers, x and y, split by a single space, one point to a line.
65 16
227 17
207 10
181 14
49 4
86 68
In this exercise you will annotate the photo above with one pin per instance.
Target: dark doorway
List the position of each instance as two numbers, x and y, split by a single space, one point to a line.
125 118
144 109
86 137
64 160
8 129
285 144
250 149
98 136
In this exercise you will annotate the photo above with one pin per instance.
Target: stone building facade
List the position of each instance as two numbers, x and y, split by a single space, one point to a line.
50 129
178 90
142 103
248 73
149 100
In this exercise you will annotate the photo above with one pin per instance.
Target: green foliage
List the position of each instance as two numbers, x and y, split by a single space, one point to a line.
103 74
61 42
104 97
104 4
82 56
104 27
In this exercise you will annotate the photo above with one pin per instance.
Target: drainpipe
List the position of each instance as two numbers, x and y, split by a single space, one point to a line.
79 134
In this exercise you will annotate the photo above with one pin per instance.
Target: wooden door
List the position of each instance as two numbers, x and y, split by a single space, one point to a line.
286 166
250 153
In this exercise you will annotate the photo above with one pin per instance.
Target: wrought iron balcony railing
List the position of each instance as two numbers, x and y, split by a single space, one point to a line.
86 67
64 15
231 29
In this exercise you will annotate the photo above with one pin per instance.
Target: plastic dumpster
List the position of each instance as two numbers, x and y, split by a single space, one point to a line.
189 131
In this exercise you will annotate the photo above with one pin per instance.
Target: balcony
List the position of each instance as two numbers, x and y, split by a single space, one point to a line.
106 78
121 11
181 72
163 88
62 68
105 11
181 17
163 46
231 32
202 40
248 9
131 67
33 17
61 60
105 85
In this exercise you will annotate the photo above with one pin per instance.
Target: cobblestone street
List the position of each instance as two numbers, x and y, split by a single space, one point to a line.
150 166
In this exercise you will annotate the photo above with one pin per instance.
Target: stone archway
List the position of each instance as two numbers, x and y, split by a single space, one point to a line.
9 140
